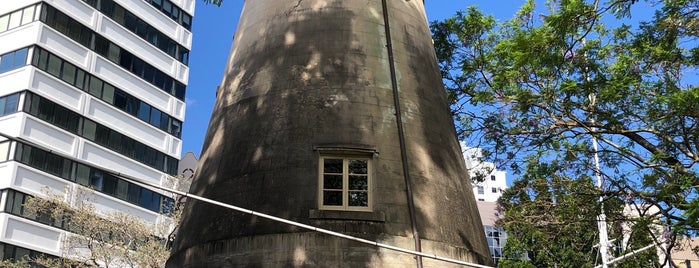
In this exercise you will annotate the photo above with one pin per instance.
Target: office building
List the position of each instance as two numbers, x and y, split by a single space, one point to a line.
487 188
89 90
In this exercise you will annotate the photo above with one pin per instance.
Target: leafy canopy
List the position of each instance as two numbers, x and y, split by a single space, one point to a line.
533 91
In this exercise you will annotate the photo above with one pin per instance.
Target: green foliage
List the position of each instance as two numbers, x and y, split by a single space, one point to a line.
534 90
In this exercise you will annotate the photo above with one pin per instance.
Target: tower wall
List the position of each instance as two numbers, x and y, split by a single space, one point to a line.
307 78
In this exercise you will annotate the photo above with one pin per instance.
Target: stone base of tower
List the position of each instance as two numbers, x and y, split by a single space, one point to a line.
313 249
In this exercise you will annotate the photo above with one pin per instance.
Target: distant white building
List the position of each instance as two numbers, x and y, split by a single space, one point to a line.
490 181
488 185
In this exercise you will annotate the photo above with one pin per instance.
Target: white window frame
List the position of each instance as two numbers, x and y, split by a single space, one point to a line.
345 182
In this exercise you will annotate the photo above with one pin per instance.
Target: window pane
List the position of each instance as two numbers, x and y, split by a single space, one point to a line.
332 165
11 104
114 52
96 180
54 67
4 151
144 111
89 129
4 20
69 73
20 58
358 166
155 117
332 182
332 198
358 182
6 62
109 185
358 199
95 88
82 175
80 79
108 93
28 15
122 188
15 19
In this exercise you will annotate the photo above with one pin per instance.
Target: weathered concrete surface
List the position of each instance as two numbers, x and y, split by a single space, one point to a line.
310 73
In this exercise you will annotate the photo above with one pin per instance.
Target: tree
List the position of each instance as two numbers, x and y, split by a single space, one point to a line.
99 239
536 89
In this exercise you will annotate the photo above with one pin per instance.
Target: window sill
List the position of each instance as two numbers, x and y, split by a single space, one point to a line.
319 214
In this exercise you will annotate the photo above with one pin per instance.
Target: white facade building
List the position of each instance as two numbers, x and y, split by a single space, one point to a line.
488 186
89 90
491 182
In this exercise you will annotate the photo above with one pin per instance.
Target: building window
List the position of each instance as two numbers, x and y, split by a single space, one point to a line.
13 60
492 177
9 104
118 98
481 190
345 183
17 18
107 49
495 190
481 199
96 179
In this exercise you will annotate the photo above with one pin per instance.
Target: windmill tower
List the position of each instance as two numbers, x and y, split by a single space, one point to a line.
331 113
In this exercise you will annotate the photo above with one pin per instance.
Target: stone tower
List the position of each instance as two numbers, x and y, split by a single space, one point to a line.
328 117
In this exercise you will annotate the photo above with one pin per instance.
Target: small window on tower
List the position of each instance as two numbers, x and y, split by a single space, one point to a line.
344 183
492 177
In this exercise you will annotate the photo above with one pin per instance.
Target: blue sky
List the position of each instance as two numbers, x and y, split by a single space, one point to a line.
213 33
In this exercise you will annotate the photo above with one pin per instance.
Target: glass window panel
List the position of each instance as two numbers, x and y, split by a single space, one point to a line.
80 79
148 73
89 129
20 58
114 53
67 169
358 199
2 106
11 104
332 165
4 21
4 151
96 179
175 128
109 185
179 90
146 198
82 175
15 19
332 198
131 105
68 74
155 117
43 59
17 203
358 182
54 67
95 88
108 93
122 188
164 121
120 99
28 15
357 166
144 111
6 62
332 182
134 193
